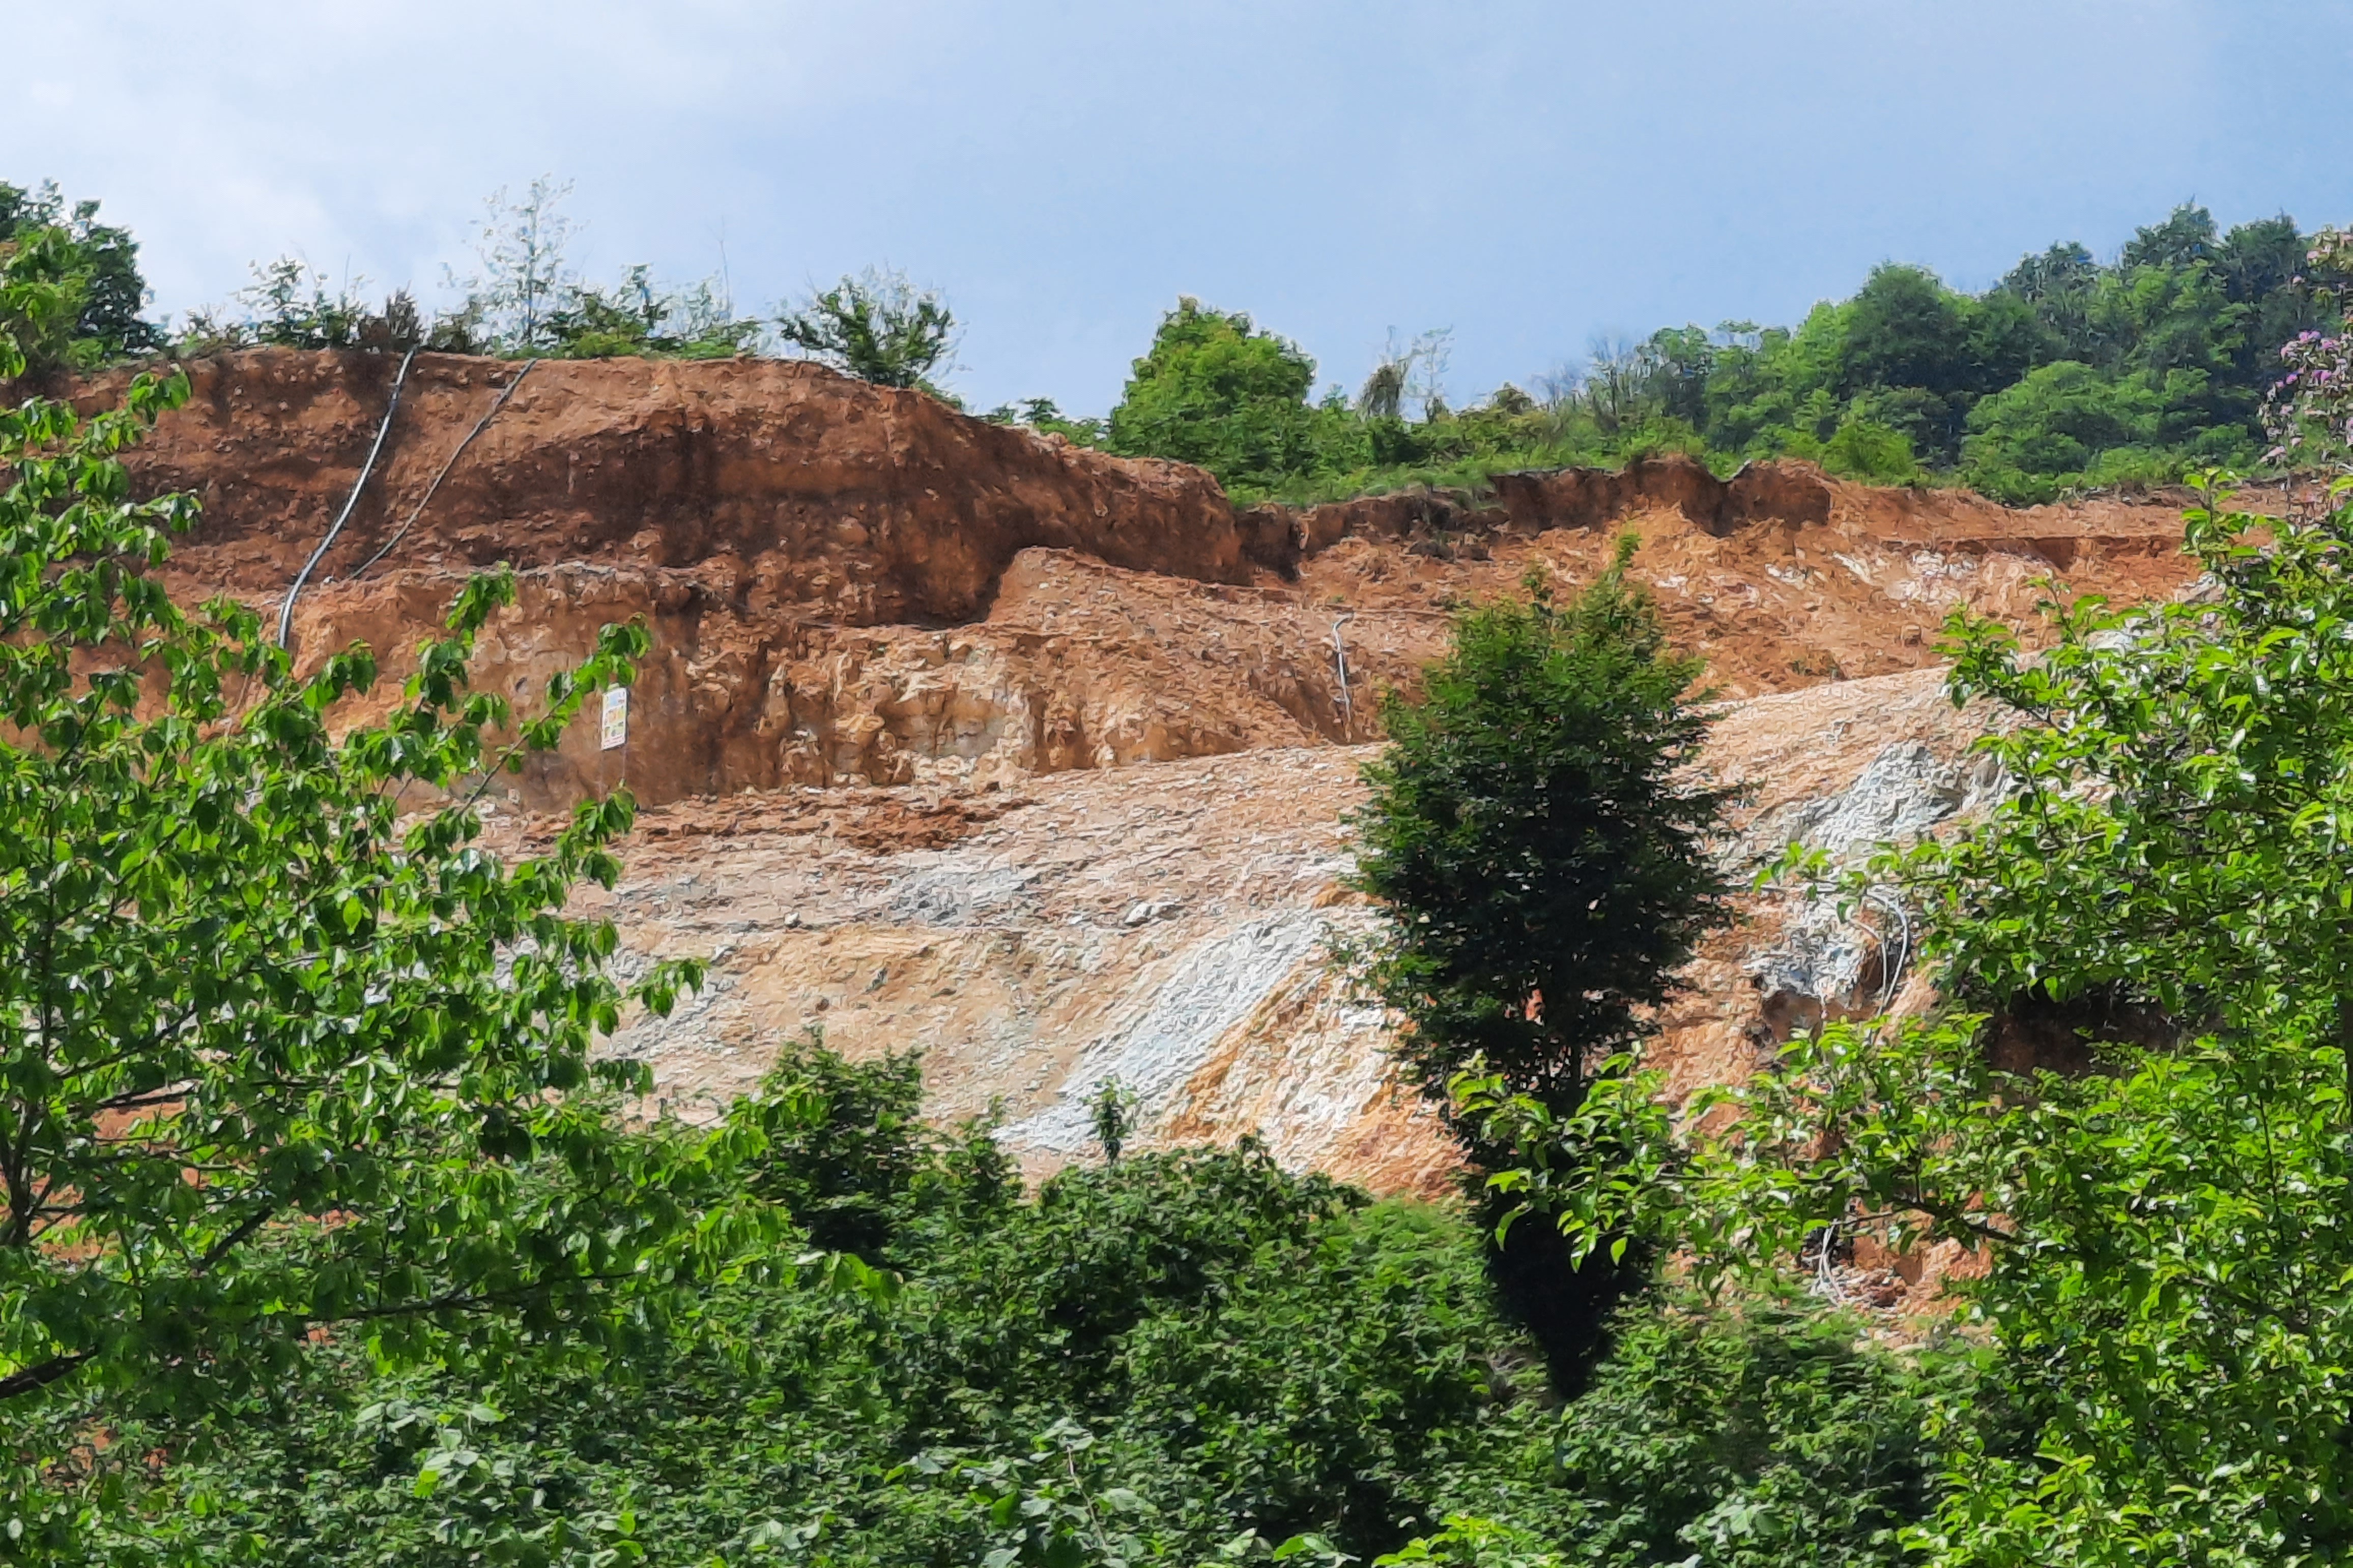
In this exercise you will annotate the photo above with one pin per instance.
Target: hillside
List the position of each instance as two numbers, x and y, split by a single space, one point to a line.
962 737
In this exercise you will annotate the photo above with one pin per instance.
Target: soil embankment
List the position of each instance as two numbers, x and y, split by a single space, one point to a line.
906 663
849 584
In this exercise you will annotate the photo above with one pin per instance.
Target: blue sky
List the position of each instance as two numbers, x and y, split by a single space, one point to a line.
1528 174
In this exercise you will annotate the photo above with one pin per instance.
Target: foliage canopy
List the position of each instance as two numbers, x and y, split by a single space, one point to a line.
1187 1358
274 1058
1544 870
88 272
2171 344
1215 390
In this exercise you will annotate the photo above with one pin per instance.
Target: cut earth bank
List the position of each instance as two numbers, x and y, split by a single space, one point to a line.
958 737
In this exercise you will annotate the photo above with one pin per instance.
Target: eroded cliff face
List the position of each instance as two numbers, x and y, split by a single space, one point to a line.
845 582
957 737
849 584
788 489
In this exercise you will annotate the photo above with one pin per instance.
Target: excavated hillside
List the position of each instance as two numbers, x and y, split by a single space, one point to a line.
958 736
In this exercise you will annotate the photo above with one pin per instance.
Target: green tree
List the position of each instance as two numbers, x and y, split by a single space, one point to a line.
842 1150
1542 863
877 326
2265 266
273 1056
2259 260
1216 392
2159 318
104 258
42 286
1915 354
2160 1190
2028 441
1748 1434
1682 360
2057 286
2185 239
1903 328
526 274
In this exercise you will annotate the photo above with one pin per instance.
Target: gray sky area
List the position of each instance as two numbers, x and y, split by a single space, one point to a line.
1528 175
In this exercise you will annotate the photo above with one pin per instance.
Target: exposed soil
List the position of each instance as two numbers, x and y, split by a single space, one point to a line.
850 586
957 737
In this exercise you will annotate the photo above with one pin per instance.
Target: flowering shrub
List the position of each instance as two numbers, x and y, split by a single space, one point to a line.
2310 412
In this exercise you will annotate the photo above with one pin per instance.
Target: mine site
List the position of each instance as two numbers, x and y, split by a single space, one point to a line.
1175 786
960 739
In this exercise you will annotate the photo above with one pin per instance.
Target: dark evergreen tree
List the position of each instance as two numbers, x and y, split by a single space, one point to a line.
1542 858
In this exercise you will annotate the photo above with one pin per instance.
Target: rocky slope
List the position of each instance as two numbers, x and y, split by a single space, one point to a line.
1172 926
961 737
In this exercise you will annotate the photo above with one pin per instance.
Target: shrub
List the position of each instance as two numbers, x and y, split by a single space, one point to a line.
876 326
1865 449
1187 1358
1748 1433
1216 392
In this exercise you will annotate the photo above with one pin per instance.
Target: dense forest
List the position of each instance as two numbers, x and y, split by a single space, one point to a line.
2069 374
325 1237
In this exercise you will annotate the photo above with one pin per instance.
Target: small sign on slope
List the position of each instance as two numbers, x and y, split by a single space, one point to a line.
617 717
